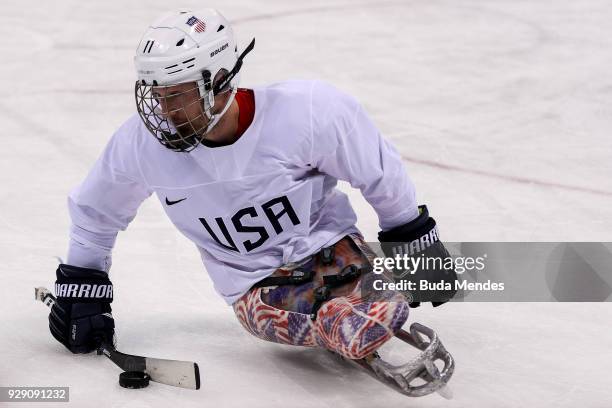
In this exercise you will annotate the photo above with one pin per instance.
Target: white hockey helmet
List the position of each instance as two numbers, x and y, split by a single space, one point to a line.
186 47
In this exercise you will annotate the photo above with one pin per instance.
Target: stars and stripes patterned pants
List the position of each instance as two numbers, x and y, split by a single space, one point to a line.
353 322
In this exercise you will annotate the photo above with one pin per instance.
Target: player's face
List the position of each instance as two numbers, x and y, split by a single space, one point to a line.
181 104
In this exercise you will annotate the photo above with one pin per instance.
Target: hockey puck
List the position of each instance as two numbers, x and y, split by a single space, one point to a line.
134 379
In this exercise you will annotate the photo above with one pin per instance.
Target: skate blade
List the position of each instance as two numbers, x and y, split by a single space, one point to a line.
445 392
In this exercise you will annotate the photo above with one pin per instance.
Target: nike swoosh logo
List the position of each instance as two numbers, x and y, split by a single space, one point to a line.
174 202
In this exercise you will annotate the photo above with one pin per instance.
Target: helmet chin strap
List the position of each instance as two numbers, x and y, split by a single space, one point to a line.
208 92
214 119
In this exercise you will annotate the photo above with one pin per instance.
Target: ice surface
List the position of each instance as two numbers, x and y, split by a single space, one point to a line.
502 110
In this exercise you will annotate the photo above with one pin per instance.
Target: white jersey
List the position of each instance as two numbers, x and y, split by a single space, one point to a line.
265 200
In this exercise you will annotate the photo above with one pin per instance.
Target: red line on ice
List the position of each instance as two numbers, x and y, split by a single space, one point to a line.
515 179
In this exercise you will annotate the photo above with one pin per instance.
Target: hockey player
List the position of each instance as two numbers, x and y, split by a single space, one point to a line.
249 176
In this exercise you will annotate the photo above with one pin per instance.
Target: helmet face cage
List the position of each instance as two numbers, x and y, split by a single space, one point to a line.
183 61
180 115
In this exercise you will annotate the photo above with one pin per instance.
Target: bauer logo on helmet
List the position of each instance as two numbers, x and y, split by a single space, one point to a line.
218 50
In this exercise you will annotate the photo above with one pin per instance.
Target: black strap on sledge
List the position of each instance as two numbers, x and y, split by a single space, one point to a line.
327 257
348 274
323 293
297 277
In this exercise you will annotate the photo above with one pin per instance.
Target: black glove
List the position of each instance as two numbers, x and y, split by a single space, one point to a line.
81 317
419 239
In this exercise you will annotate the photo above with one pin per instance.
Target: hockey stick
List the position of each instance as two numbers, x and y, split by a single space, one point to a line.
184 374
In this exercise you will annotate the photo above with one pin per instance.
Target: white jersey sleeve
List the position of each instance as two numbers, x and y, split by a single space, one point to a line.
348 146
107 200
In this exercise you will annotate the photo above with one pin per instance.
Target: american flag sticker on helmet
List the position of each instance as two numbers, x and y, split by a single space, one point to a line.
198 24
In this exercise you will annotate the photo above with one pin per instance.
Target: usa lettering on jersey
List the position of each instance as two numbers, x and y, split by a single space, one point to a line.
273 210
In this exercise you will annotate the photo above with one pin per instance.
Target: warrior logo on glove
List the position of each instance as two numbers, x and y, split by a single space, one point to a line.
419 238
81 317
